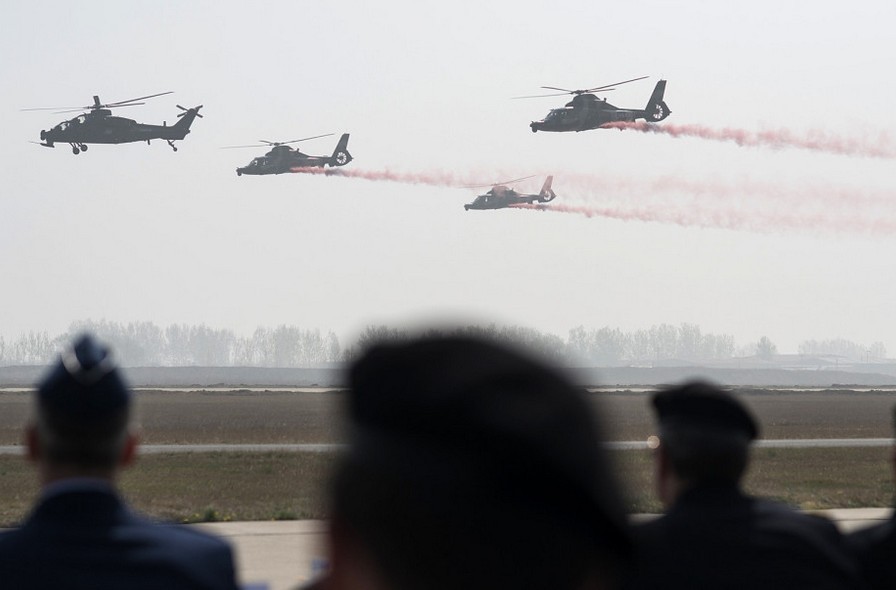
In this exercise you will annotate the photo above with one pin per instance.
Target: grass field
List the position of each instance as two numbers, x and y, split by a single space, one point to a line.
193 487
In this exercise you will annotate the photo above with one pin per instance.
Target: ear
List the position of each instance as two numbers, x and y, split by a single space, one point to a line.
664 478
129 452
32 443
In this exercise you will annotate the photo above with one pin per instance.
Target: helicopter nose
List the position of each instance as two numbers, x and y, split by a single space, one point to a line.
43 135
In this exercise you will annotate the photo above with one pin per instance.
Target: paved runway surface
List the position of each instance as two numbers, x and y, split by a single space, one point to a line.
819 443
281 555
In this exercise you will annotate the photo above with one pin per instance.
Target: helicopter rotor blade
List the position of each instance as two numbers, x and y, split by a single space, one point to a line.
294 140
266 143
307 138
517 179
563 92
68 109
540 95
94 107
608 86
122 103
498 183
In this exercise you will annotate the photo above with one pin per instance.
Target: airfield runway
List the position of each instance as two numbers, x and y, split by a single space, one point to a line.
808 443
222 416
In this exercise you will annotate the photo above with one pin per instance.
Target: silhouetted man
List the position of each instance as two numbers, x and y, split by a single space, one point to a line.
713 535
471 466
81 535
875 546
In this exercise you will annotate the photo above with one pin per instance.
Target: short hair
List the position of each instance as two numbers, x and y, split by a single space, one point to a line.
472 465
705 432
705 458
66 441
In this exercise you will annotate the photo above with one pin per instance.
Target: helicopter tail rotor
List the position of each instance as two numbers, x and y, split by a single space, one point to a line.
657 109
186 110
547 194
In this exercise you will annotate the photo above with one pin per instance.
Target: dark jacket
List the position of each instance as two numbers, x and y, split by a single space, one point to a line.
717 537
88 539
875 550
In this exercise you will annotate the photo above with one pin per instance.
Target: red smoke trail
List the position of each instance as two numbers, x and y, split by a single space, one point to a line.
754 221
443 179
738 190
816 140
741 204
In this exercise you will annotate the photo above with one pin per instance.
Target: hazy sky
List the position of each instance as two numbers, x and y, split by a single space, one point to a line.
793 242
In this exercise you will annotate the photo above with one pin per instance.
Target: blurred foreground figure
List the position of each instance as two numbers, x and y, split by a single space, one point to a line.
81 535
471 466
713 535
875 546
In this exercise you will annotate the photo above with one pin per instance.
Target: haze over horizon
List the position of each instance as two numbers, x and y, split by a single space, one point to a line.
763 206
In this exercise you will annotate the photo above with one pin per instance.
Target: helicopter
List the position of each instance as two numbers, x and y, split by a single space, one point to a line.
586 111
283 158
501 196
98 125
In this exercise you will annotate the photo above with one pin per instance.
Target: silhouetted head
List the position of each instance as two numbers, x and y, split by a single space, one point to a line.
83 408
471 465
705 432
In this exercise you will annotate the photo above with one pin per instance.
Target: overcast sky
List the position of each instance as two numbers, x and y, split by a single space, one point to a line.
793 240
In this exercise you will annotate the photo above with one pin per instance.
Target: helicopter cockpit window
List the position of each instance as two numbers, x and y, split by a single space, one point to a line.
559 114
81 119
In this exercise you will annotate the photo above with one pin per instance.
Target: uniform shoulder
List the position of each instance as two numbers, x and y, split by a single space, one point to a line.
878 534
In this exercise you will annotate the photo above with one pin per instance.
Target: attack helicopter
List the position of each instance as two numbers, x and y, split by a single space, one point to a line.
283 158
501 196
586 111
98 125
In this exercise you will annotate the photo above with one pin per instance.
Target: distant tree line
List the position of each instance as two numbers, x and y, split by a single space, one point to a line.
844 348
147 344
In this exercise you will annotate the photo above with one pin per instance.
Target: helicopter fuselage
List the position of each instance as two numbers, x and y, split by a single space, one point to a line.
585 116
279 162
101 127
283 158
500 197
586 111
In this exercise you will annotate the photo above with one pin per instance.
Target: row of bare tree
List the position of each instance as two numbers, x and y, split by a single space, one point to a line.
146 344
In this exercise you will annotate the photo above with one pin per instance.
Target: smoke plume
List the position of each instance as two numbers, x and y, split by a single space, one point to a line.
441 179
819 141
743 204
